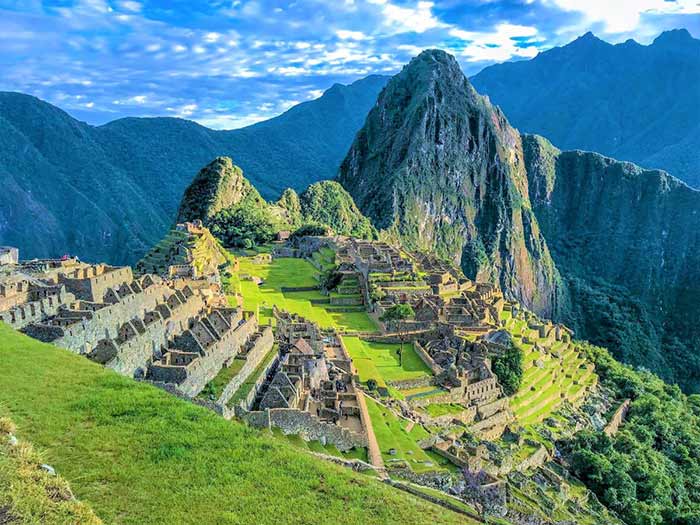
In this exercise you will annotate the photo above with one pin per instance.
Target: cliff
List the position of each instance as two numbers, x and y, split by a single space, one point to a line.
627 241
440 168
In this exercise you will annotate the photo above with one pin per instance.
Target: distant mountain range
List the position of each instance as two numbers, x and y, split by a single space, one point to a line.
630 101
110 192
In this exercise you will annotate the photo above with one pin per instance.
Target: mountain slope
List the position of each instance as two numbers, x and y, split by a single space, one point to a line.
629 101
441 168
627 241
110 192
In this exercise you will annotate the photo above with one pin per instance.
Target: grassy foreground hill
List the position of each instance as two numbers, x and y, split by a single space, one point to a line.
136 454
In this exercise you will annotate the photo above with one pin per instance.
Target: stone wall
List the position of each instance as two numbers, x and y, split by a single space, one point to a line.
254 357
207 366
36 311
618 418
105 323
418 382
425 357
135 355
294 421
94 288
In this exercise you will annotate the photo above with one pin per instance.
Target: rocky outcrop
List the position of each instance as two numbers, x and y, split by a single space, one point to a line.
217 186
440 168
627 241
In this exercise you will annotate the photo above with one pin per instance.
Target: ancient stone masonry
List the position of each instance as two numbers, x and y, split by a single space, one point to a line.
194 357
187 251
311 390
9 255
177 332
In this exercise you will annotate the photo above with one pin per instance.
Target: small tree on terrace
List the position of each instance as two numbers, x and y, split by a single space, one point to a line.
399 313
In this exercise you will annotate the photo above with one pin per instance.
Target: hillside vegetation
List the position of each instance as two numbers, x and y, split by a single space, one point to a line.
111 192
139 455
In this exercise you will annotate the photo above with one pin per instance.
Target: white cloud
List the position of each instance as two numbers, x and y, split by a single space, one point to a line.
418 19
344 34
129 5
619 16
497 45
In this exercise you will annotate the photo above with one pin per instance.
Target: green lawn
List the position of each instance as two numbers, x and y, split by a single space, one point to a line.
390 431
139 455
380 361
292 273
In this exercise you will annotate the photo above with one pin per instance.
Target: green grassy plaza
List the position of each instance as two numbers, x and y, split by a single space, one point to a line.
292 273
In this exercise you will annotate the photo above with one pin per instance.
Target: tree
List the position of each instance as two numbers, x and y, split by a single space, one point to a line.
509 369
399 313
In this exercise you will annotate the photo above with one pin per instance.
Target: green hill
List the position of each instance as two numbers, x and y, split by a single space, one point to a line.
137 454
111 192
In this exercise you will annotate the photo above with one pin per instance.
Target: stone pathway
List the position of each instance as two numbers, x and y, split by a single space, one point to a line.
374 453
410 426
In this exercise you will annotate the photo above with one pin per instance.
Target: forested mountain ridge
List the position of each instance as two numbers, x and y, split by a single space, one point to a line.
627 241
110 192
440 168
629 101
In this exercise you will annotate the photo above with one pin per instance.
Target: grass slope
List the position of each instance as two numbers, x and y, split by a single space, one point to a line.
139 455
292 273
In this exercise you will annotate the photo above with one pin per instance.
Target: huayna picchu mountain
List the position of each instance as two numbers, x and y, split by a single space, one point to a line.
440 168
607 247
111 192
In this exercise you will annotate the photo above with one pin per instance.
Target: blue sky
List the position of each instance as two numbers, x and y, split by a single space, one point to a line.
230 63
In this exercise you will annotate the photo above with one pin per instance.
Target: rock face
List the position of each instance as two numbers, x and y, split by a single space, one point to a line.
627 241
630 101
217 186
440 168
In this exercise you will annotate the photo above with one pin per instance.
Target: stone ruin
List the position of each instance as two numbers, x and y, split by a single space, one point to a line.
311 389
180 332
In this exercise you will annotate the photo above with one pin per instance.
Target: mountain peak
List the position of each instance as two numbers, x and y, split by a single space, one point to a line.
674 37
586 40
219 185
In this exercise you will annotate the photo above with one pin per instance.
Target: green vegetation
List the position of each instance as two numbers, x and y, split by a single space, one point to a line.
216 386
380 361
391 432
29 494
649 472
248 384
137 454
329 204
244 226
292 273
509 369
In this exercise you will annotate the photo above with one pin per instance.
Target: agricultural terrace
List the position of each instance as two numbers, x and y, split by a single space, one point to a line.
137 454
399 438
558 374
282 274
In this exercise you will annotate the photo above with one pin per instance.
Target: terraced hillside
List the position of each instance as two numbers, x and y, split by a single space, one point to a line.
182 248
554 373
139 455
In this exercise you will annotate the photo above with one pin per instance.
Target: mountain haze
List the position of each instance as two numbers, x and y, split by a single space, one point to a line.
629 101
110 192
